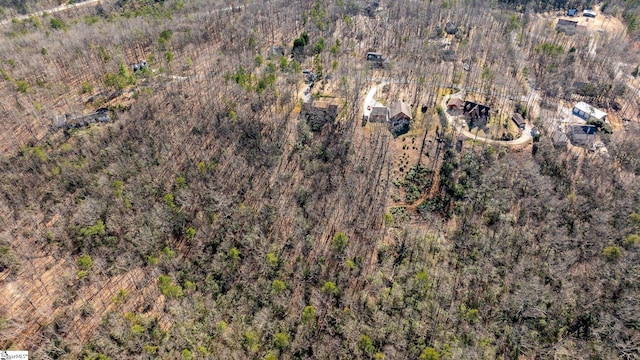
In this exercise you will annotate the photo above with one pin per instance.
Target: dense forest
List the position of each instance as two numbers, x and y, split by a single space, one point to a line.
210 219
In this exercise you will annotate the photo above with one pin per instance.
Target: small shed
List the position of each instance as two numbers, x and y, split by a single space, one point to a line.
586 112
455 103
379 114
517 118
572 12
589 13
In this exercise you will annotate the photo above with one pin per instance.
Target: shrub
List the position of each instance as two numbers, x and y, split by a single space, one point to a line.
308 314
190 233
366 344
167 287
339 241
429 353
632 240
233 254
612 252
97 229
85 262
57 24
86 88
272 260
281 340
330 288
22 86
278 286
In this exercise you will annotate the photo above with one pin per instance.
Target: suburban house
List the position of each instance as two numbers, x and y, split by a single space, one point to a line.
589 13
379 114
586 112
399 118
572 12
520 123
582 134
475 111
319 112
455 103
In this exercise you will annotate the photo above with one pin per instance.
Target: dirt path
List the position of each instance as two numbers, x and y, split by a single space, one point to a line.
50 11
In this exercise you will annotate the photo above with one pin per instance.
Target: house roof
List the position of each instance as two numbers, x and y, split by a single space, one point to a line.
379 111
592 111
568 23
399 108
517 118
582 134
572 12
456 101
583 130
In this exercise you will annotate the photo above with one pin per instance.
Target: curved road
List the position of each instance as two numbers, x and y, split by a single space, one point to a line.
525 138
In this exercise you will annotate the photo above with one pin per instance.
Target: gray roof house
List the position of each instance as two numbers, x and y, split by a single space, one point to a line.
582 134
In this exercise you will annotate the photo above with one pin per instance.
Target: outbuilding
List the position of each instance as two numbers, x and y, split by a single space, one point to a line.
589 13
586 112
379 114
517 118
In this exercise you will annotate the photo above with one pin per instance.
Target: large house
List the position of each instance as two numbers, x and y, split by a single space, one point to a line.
587 112
475 111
